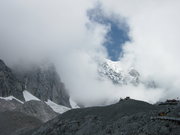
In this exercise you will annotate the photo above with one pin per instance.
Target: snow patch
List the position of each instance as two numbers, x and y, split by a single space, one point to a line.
28 96
73 103
57 108
11 98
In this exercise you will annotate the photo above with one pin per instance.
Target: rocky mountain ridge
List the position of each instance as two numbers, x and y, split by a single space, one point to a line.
128 117
9 84
42 81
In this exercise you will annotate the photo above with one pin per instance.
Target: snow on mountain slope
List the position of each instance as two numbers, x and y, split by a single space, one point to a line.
73 103
118 74
57 108
28 96
11 98
121 75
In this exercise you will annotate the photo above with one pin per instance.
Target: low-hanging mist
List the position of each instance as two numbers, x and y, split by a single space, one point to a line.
60 31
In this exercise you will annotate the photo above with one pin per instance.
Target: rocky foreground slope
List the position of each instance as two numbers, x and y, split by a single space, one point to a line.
18 117
12 123
128 117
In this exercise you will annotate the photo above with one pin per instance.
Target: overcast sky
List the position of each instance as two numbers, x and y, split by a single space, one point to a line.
74 35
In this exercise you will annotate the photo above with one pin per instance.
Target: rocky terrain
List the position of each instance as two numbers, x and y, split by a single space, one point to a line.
8 105
37 109
13 123
21 111
128 117
9 84
44 83
19 117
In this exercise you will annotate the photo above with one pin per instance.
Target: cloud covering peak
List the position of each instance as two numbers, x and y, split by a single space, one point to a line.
61 31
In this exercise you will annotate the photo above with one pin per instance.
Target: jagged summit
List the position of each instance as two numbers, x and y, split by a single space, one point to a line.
44 82
41 80
121 75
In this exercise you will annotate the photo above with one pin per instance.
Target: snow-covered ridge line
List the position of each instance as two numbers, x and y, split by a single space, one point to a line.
28 97
11 98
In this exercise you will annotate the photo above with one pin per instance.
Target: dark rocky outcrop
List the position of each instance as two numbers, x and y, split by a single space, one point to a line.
9 84
128 117
37 109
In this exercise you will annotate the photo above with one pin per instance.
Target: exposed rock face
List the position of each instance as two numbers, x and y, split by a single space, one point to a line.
9 85
12 123
44 83
129 117
8 105
37 109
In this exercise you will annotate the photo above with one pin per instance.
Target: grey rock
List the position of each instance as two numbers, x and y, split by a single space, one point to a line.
37 109
129 117
44 83
9 84
16 122
8 105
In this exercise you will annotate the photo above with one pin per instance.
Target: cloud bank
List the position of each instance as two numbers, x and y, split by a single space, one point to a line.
61 31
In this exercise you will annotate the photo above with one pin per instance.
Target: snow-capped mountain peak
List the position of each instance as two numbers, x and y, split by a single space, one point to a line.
118 74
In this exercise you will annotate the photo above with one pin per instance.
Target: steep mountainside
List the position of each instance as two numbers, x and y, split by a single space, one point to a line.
8 105
44 83
9 84
37 109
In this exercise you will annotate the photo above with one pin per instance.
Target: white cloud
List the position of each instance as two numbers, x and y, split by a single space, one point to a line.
154 50
32 30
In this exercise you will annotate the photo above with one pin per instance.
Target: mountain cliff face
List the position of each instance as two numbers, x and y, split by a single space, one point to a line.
9 84
44 83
